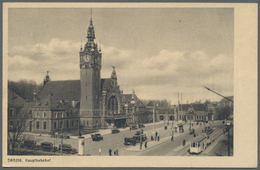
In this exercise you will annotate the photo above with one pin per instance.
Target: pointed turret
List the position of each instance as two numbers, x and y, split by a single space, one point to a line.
133 97
91 32
47 78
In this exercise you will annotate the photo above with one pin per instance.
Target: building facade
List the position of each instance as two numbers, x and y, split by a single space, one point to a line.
88 103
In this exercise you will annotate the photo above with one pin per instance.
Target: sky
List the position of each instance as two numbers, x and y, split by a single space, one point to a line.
158 52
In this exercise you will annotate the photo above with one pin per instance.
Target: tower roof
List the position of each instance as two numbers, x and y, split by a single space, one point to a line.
91 32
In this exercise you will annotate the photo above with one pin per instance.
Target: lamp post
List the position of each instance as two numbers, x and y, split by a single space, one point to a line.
61 144
228 128
154 106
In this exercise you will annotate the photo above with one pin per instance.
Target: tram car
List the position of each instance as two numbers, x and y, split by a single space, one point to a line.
198 144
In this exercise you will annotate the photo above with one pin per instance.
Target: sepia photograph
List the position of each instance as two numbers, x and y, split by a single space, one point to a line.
94 81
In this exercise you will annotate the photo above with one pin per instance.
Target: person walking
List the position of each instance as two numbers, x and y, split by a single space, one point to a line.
151 138
116 152
172 139
145 144
183 142
158 138
99 151
110 152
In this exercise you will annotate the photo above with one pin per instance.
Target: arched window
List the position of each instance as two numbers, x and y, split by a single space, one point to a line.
113 105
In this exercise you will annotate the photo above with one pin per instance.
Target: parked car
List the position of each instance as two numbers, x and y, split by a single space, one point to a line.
67 148
96 137
64 136
141 125
191 131
47 146
137 133
137 138
129 141
31 144
133 127
115 131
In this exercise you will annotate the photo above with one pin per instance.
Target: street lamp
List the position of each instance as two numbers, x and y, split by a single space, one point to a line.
154 105
228 128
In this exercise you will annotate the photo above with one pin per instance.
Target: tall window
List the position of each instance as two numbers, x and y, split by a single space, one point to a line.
44 125
37 114
60 125
44 115
55 125
37 125
72 123
11 112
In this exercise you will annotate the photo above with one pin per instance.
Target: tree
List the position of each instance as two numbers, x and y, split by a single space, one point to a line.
17 124
25 89
225 112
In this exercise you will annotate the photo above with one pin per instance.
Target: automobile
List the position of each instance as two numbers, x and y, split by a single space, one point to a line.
67 148
191 131
31 144
129 141
141 125
137 138
115 131
47 146
64 136
133 127
96 137
137 133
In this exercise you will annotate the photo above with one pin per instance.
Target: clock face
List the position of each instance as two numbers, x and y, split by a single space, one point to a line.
86 57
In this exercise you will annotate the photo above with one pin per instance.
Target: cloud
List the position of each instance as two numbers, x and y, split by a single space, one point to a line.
156 77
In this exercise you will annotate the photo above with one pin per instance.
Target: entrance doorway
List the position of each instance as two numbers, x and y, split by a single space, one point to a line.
113 105
120 123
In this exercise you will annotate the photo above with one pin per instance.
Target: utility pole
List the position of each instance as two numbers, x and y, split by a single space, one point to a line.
218 94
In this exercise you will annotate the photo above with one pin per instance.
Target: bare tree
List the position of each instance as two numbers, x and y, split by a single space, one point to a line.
17 124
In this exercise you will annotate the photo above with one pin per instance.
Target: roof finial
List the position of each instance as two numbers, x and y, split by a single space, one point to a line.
81 45
90 14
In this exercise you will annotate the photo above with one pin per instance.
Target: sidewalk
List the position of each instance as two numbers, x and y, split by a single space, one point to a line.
88 136
151 144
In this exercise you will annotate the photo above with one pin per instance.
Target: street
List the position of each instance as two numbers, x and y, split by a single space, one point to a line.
116 141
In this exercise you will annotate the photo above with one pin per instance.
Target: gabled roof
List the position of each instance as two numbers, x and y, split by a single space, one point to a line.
197 107
14 100
66 90
105 83
128 98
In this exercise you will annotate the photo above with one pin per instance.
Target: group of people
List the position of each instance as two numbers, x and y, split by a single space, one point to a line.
145 145
157 137
115 152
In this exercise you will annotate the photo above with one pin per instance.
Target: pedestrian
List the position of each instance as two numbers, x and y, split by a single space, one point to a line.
158 138
110 152
116 152
151 138
156 133
145 144
99 151
141 145
172 138
155 138
183 142
194 135
130 128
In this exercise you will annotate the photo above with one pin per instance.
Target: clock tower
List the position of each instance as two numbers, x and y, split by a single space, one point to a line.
90 66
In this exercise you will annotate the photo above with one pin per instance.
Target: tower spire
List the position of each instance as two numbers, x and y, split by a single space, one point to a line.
91 32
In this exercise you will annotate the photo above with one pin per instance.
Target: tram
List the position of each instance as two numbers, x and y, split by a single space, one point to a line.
198 144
